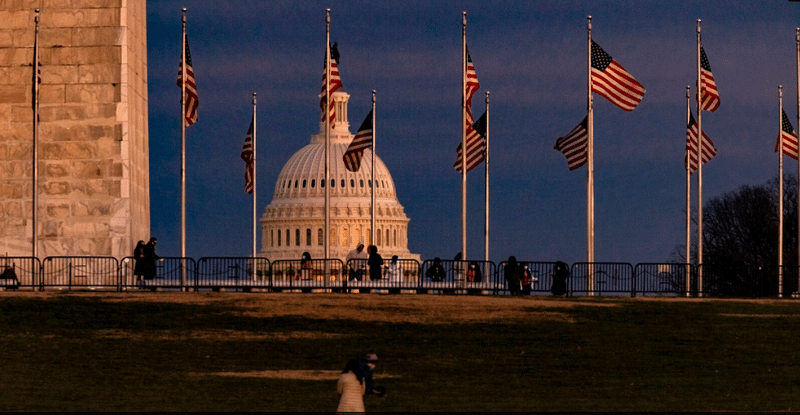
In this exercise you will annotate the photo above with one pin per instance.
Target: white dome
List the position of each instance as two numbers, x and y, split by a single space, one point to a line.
302 176
293 222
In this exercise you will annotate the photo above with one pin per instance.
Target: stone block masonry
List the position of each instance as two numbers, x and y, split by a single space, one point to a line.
93 193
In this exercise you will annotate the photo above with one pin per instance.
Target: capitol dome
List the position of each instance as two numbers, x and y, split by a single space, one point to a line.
293 222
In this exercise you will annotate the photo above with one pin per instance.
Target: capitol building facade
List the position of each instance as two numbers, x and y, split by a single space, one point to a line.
293 222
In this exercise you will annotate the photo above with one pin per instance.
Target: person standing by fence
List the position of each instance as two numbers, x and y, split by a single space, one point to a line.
356 259
138 261
375 263
512 275
150 258
560 275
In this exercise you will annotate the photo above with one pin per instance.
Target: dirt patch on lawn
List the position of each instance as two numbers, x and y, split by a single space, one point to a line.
211 334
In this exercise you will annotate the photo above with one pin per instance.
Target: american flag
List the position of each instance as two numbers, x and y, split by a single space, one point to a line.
336 84
613 82
362 140
789 138
574 144
192 101
476 144
709 87
247 156
709 151
477 133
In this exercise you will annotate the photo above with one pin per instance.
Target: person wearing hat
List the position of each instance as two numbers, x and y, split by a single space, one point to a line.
356 381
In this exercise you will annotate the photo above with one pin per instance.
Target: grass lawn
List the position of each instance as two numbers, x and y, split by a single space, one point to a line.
284 352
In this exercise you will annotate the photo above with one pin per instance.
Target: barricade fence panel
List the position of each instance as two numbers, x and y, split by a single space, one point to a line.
312 274
398 275
459 276
733 280
664 279
540 273
80 273
599 278
232 272
170 273
19 273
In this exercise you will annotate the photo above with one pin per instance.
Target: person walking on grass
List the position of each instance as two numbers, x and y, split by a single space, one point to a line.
356 381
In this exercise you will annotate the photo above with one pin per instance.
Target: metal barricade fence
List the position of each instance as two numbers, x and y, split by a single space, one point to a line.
664 279
25 270
307 275
80 273
472 277
171 273
243 273
400 275
599 278
732 280
541 276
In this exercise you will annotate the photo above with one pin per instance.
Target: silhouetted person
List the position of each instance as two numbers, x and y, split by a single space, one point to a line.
513 272
436 271
150 258
138 258
375 263
560 275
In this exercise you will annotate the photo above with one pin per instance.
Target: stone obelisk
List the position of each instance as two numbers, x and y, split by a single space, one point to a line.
92 185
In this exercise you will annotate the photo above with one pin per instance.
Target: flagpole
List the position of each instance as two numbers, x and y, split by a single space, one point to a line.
699 171
183 138
372 173
35 161
463 135
797 54
486 210
327 132
255 181
688 200
590 167
780 191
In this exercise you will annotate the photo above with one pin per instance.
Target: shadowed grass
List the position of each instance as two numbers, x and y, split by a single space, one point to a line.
93 352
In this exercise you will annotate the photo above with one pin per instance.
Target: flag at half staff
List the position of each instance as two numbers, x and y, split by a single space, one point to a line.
362 140
789 138
708 86
708 152
613 82
336 84
476 145
192 102
247 156
574 145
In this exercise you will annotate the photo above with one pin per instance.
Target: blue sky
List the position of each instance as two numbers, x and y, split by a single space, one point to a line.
531 56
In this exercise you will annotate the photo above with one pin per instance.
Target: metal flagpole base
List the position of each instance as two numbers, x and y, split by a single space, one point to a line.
796 294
